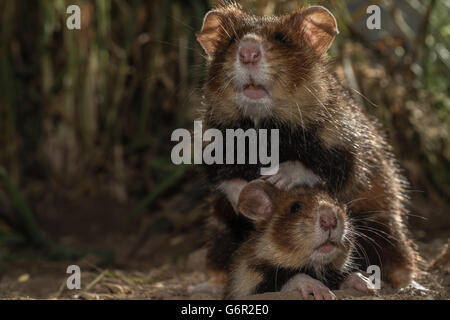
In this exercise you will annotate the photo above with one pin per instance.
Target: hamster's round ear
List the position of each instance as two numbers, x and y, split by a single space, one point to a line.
318 26
254 201
210 32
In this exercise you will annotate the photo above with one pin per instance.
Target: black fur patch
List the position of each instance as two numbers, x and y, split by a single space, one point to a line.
333 165
225 234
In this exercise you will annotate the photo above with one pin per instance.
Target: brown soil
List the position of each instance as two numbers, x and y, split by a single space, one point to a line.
43 279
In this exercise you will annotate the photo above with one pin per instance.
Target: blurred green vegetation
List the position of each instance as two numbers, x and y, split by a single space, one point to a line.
120 81
91 111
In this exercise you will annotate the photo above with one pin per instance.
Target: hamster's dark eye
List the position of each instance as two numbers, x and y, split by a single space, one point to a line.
295 207
280 38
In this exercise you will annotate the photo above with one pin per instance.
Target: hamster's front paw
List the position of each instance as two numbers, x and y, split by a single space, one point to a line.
308 287
291 174
358 282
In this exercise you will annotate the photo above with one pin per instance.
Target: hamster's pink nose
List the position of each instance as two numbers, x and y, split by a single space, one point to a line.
249 53
328 219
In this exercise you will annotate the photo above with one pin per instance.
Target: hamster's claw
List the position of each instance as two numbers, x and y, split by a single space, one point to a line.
358 282
308 287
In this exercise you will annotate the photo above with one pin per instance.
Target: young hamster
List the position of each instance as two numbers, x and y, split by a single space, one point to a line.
302 240
271 73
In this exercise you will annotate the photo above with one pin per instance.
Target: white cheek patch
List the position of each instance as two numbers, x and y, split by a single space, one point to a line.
258 75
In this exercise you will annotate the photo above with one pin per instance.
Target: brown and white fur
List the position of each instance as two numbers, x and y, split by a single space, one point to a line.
272 72
302 241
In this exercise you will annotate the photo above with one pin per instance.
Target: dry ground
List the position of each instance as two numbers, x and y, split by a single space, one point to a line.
41 279
157 257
